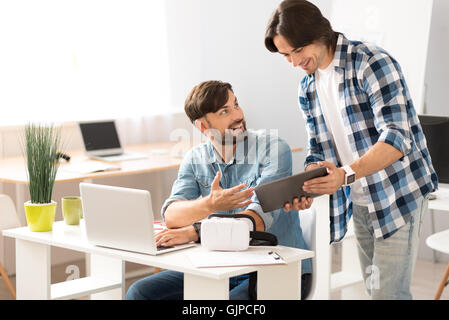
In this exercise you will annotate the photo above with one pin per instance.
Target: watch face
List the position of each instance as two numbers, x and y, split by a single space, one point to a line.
350 179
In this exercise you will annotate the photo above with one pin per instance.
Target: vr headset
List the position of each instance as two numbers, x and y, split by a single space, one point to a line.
233 232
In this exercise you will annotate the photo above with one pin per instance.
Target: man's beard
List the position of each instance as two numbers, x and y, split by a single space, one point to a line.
231 136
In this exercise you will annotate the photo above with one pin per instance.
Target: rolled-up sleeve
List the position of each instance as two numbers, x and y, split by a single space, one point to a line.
266 216
185 187
387 93
276 164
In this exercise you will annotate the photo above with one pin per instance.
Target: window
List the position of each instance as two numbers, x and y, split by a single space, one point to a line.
68 60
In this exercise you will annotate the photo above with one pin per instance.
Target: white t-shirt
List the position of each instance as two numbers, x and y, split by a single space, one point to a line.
331 105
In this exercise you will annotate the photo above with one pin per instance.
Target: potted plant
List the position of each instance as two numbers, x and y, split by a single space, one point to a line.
42 144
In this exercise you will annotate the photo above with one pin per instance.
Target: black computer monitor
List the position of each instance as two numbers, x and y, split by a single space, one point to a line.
436 131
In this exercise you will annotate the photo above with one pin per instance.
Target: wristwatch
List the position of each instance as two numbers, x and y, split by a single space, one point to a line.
197 227
349 175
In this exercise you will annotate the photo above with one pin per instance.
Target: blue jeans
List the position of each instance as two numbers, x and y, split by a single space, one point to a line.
387 264
169 285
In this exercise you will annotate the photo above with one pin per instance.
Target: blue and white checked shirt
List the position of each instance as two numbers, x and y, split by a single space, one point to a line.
377 107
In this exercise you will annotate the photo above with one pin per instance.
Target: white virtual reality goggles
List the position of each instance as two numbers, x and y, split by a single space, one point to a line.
233 232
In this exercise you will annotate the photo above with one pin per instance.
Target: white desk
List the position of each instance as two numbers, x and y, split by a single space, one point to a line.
107 277
440 203
442 200
439 241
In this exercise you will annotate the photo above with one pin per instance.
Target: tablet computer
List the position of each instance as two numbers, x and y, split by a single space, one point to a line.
274 194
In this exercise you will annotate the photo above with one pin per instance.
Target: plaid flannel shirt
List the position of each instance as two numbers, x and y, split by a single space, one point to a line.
377 107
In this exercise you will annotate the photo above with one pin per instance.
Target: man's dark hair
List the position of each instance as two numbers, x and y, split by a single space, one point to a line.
208 96
300 23
295 197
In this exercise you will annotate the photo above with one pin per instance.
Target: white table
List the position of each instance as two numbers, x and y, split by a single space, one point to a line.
442 200
107 276
440 242
440 203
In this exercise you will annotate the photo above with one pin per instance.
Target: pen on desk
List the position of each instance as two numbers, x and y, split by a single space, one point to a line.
275 255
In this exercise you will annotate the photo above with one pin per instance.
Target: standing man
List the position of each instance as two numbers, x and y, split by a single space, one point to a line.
362 126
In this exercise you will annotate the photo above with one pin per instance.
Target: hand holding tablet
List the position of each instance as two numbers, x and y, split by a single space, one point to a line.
274 194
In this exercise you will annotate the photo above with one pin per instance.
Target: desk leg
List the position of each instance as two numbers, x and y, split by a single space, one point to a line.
279 282
201 288
33 270
20 200
87 255
433 230
110 268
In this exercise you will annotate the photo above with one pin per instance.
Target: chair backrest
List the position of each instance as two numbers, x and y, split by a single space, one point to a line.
8 220
8 215
307 220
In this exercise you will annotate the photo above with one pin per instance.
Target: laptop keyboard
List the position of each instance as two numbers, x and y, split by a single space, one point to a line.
111 155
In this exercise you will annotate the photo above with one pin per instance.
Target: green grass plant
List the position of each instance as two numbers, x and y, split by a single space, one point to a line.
42 143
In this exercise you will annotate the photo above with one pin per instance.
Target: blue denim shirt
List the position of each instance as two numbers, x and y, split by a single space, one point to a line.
259 159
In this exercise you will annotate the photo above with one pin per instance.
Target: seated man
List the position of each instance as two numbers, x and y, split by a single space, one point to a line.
220 176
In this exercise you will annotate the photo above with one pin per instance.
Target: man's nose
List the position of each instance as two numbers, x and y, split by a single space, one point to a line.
237 116
295 62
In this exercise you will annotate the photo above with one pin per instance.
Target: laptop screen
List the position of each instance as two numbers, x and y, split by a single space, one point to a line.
99 135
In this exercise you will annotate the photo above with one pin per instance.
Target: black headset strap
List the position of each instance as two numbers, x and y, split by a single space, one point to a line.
233 215
259 238
262 239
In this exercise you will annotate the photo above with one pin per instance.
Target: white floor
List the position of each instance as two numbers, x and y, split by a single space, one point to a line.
425 281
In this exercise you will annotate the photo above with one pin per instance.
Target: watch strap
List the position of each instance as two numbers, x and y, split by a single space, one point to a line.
349 175
197 227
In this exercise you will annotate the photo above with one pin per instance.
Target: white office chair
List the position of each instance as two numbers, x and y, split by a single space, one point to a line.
316 232
8 219
307 220
315 227
439 242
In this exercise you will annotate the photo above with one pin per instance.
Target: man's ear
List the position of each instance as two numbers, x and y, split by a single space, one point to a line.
199 125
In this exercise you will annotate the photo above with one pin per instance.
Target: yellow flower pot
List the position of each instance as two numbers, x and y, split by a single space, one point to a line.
40 216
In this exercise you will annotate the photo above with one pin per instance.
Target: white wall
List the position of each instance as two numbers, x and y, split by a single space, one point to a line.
378 22
437 75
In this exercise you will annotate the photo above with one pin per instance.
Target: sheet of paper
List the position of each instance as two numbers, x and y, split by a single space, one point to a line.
207 259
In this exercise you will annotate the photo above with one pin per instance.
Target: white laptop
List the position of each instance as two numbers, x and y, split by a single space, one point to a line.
121 218
101 141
